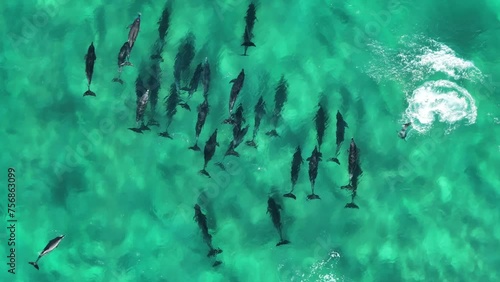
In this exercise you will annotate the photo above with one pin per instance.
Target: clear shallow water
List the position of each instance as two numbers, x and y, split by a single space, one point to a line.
428 206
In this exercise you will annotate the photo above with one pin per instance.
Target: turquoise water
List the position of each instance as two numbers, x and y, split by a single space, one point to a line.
428 206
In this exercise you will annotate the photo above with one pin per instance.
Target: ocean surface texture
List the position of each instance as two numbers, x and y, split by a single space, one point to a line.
428 205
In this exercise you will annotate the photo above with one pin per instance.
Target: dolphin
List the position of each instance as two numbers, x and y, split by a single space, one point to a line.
313 160
260 111
153 82
89 68
235 90
280 98
164 22
201 219
209 151
238 138
49 248
134 31
296 162
249 24
404 131
203 109
139 115
171 103
123 56
321 120
274 210
355 172
184 57
195 80
205 77
341 125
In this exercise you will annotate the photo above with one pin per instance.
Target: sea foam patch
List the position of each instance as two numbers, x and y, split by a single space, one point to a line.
432 73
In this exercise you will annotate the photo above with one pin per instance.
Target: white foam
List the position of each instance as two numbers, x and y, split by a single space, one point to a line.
440 100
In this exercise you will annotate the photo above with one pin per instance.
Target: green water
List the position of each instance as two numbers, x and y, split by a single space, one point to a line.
428 206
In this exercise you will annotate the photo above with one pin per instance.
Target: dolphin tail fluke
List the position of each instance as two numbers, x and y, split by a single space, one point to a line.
165 134
89 93
290 195
351 206
282 242
205 172
153 122
216 263
313 197
136 130
35 264
117 79
336 160
194 147
232 152
248 44
128 64
273 133
251 143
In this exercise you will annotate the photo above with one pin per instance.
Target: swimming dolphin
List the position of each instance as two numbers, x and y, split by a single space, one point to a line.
49 248
321 120
354 170
248 34
164 22
201 219
260 111
200 122
294 173
235 90
195 80
280 98
274 210
171 103
139 115
184 57
237 139
404 131
205 77
153 83
123 56
134 31
341 125
89 68
313 160
209 151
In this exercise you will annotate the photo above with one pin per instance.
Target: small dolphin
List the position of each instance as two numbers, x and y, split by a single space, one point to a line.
153 83
201 219
274 209
313 160
235 90
296 162
171 103
184 57
248 34
200 122
238 138
139 115
123 56
237 118
164 22
134 31
404 131
260 111
280 98
341 125
195 80
209 151
49 248
205 77
355 172
89 68
321 120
